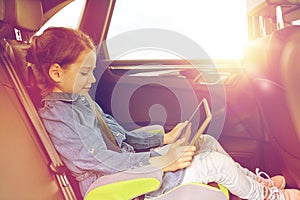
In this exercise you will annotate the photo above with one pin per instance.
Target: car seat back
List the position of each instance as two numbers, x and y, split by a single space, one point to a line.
25 163
32 169
264 57
290 72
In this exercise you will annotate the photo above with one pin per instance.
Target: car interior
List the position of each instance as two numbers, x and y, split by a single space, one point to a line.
254 101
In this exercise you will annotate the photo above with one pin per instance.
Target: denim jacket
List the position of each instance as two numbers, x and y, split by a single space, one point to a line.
74 130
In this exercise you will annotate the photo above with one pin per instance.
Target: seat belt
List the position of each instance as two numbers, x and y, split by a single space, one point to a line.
108 136
56 165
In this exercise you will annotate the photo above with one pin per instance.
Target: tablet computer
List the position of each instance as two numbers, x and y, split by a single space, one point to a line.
201 116
204 118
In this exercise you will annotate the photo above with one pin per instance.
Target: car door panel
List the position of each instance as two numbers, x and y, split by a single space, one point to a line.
138 96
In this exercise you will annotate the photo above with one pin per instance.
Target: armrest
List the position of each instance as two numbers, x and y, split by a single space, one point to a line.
125 185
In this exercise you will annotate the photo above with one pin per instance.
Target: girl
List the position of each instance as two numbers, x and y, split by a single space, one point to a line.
93 144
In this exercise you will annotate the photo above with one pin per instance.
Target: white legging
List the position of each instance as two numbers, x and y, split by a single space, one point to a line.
213 164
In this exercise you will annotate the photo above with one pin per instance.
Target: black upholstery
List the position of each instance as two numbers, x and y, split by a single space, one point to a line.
25 15
264 58
290 73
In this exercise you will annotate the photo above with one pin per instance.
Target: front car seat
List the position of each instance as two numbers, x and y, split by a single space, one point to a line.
264 59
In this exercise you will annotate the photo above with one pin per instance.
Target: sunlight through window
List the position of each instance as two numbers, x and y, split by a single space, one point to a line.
219 27
69 16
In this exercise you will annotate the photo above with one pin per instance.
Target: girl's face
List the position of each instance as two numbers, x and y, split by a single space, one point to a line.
78 77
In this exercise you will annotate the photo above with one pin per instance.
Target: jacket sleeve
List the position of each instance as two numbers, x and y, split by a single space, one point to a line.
143 139
78 139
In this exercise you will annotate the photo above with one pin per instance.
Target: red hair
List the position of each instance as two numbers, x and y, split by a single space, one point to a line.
56 45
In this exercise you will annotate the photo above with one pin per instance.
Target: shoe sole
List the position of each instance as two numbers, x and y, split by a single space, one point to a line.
282 186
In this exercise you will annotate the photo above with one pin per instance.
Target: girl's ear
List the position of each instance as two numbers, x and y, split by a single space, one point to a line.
55 72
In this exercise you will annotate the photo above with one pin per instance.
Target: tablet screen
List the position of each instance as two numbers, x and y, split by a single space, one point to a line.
200 119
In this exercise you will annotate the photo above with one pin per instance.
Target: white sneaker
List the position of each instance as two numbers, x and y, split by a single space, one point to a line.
277 181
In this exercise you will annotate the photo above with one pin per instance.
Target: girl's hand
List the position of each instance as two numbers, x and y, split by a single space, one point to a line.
172 136
178 157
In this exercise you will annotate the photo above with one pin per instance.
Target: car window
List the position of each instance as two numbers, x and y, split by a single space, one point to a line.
296 22
69 16
219 27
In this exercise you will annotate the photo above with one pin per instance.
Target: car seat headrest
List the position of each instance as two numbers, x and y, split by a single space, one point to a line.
22 14
265 54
